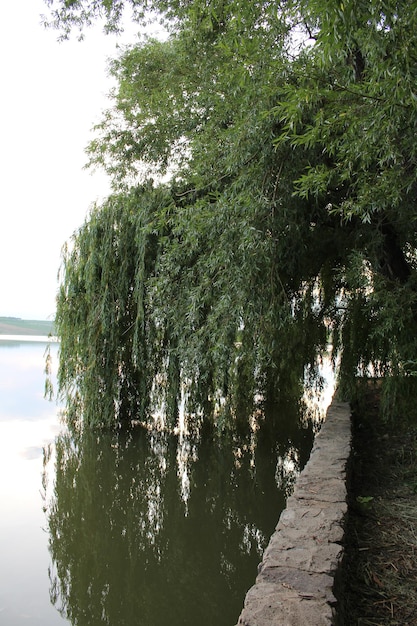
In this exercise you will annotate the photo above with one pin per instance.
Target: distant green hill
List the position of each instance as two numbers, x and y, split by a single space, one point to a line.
17 326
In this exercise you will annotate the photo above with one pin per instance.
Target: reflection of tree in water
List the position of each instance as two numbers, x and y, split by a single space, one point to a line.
154 529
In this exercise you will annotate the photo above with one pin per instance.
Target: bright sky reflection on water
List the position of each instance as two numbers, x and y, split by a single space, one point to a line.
27 424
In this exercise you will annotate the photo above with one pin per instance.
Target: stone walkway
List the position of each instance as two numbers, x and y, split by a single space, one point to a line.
294 586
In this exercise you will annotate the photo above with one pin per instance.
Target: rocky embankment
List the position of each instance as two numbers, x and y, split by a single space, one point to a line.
296 582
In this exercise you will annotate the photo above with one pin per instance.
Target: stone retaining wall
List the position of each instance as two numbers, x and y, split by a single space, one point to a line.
295 583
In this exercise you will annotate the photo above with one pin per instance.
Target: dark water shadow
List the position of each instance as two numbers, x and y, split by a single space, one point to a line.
152 529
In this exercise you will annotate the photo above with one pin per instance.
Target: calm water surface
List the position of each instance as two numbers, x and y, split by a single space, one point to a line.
27 424
129 529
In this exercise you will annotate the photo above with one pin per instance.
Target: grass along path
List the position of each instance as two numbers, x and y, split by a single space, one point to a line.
380 567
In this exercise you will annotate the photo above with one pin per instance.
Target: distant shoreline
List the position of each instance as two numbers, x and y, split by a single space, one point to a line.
15 339
13 327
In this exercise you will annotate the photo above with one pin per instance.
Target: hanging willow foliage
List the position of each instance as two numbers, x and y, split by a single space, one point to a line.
108 343
288 130
152 313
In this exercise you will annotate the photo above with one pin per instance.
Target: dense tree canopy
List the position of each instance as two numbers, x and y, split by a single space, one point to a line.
263 161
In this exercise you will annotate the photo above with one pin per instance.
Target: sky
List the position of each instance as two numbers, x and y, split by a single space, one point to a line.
52 94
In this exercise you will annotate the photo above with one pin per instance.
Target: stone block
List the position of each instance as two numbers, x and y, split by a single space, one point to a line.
275 605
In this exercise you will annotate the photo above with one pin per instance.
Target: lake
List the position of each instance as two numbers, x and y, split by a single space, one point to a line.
27 424
130 529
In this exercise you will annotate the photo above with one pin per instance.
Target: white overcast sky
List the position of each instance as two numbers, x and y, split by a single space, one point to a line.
52 94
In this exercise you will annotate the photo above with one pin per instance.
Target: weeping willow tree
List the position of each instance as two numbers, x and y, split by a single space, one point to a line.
287 131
